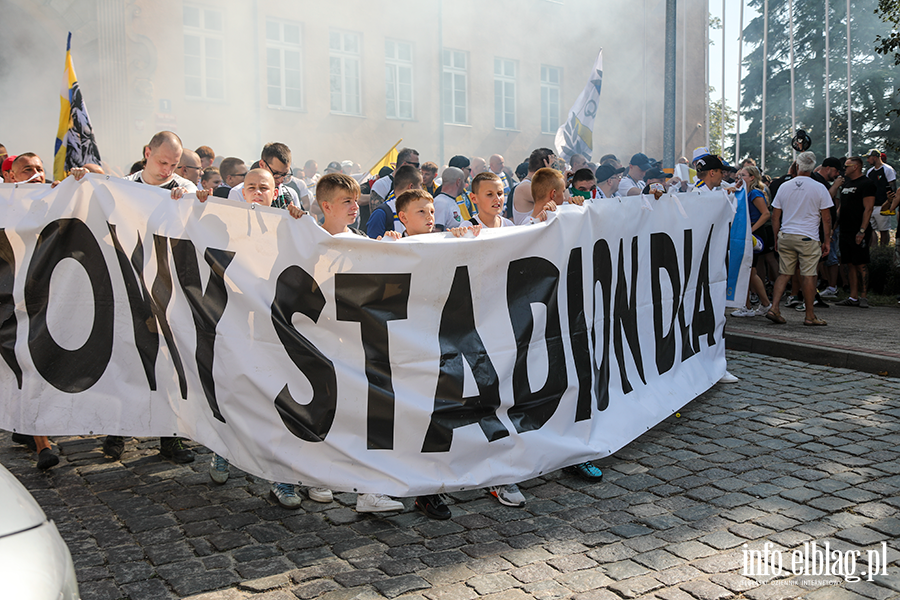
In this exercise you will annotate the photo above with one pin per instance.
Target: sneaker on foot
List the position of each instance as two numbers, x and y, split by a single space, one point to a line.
800 307
586 470
173 448
286 494
47 459
218 469
433 506
793 301
848 302
320 494
863 303
366 503
744 312
114 446
508 495
762 310
830 292
728 378
754 299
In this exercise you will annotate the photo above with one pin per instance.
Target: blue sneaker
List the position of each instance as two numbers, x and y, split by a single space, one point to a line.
218 469
585 470
286 493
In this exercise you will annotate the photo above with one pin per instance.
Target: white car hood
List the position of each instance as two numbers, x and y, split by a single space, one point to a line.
18 510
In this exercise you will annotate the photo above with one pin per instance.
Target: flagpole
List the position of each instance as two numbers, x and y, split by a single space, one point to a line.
684 21
793 111
762 160
849 115
827 83
737 129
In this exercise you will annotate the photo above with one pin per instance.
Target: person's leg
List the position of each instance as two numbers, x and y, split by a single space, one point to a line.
853 276
780 285
809 296
46 457
758 288
862 277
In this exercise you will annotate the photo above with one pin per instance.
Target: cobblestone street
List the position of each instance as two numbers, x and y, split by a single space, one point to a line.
792 454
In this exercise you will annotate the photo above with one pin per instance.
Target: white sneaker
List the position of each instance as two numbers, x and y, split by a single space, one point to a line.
367 503
728 378
218 469
320 494
508 495
286 493
830 292
800 307
744 312
762 310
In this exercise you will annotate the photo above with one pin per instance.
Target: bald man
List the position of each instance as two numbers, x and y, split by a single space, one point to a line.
163 154
190 166
259 187
446 210
495 163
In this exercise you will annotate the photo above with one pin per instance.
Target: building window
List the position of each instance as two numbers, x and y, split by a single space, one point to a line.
398 79
204 53
284 73
504 94
344 68
550 77
456 107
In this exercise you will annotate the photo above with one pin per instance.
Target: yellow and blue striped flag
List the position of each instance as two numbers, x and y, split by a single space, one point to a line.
75 143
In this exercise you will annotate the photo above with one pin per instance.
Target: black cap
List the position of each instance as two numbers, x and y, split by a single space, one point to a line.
833 161
333 167
656 173
459 161
641 161
604 172
708 163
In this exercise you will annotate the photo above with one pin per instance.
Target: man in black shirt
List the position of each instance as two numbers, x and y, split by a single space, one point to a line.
857 195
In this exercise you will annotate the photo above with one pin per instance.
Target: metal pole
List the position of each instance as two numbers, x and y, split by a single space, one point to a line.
644 80
669 112
793 111
737 129
849 115
827 83
762 160
440 103
684 20
722 114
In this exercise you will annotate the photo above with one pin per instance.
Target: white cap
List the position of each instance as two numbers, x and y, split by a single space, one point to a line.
699 153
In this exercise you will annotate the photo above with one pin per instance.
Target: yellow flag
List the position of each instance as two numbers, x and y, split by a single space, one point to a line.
388 160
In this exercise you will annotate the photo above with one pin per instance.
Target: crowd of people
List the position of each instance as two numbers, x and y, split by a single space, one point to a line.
828 215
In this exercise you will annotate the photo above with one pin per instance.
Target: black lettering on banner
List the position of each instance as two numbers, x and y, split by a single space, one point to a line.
704 321
664 257
603 275
625 317
529 280
459 339
297 292
687 350
8 321
372 300
206 307
77 370
578 334
161 294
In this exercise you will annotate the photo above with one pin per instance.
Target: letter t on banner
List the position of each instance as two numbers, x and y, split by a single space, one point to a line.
576 135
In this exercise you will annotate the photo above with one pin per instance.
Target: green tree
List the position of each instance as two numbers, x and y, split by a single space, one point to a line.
871 88
715 126
889 11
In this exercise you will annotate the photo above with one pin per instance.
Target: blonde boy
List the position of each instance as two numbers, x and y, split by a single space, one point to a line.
548 187
338 197
415 209
487 194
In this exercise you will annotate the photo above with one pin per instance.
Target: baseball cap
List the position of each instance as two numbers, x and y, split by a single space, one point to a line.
333 167
656 173
641 161
700 153
833 161
710 162
874 152
604 172
459 161
7 163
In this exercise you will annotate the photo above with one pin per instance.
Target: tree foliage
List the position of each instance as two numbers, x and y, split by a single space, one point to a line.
872 77
715 126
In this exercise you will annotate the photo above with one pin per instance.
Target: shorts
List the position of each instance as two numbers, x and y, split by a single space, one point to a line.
834 251
879 221
853 253
794 248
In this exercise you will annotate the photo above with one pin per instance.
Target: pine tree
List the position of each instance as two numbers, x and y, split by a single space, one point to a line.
872 81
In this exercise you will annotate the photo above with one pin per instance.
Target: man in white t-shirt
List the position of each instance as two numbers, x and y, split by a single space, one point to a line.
633 182
276 159
608 178
446 210
162 156
796 210
190 167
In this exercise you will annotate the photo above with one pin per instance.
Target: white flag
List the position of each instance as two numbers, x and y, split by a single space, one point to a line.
576 135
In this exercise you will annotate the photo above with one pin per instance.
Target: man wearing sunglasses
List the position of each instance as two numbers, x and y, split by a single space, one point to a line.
233 170
276 159
381 189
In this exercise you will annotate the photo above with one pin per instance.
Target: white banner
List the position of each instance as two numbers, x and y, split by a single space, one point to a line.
401 367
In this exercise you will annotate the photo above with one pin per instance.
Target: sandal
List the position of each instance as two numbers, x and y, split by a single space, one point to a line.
815 322
775 318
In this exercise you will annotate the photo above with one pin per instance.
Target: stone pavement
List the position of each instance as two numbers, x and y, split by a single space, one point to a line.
792 454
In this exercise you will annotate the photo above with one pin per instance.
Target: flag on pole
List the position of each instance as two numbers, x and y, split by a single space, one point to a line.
75 144
388 160
576 135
